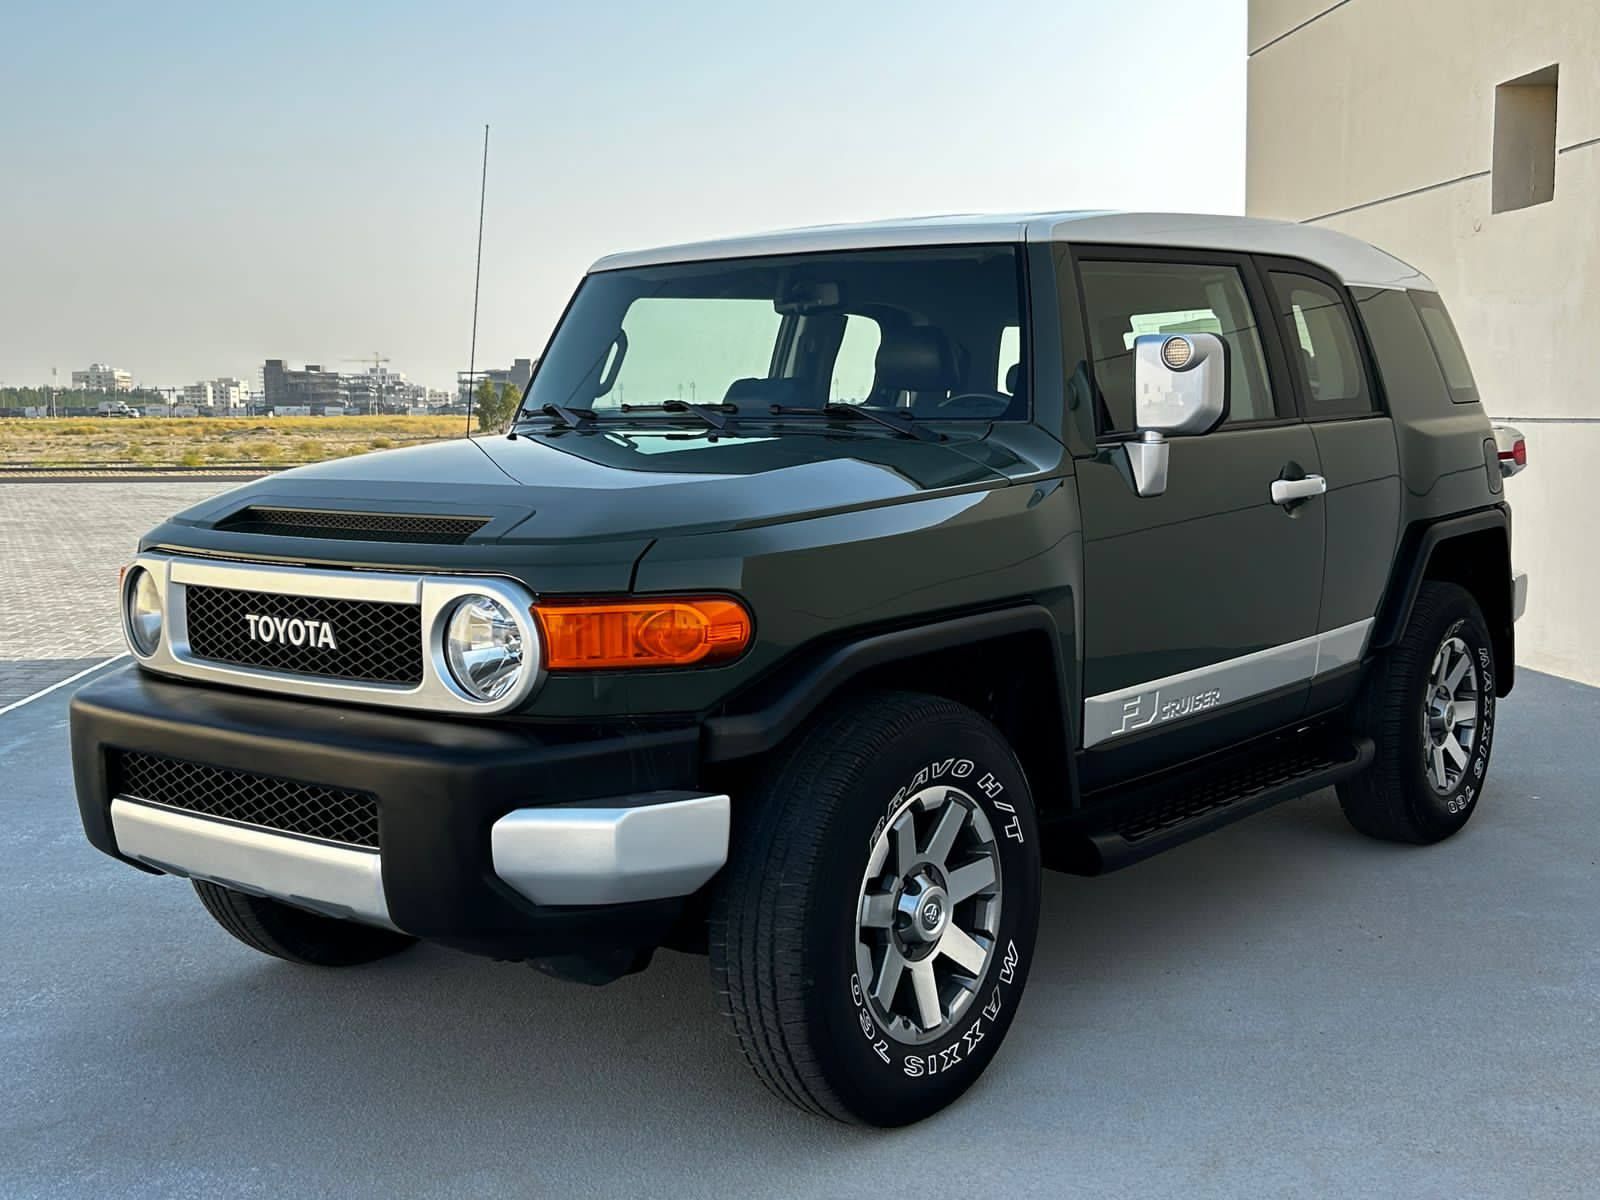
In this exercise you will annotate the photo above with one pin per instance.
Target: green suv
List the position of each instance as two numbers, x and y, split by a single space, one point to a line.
826 587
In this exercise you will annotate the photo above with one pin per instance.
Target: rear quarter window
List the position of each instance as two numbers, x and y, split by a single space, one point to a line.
1407 365
1447 347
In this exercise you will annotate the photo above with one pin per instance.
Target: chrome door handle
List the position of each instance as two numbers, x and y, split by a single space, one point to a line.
1287 491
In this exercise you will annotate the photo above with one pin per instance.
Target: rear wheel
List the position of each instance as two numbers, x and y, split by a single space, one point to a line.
872 935
1429 708
296 935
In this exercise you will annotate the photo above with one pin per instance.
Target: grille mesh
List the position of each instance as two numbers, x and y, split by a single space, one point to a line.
376 642
366 526
332 814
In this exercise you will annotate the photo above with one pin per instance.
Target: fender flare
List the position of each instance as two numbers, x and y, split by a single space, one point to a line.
745 734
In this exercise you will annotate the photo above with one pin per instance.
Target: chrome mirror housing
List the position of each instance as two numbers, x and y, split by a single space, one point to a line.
1180 389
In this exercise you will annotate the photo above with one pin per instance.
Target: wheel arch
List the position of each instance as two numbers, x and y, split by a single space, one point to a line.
1008 664
1473 551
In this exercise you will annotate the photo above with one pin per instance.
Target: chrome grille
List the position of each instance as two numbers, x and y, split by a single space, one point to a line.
375 642
266 801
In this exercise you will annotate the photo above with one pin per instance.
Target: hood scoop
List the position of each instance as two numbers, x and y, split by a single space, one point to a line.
353 526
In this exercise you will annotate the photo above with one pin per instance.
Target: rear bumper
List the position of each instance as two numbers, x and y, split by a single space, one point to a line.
510 841
1519 594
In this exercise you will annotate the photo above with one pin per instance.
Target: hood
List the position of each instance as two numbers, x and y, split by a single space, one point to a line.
619 482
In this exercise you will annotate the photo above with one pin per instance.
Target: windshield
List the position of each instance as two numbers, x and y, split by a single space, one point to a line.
931 332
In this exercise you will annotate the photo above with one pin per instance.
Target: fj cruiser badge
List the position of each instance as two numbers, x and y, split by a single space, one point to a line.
291 631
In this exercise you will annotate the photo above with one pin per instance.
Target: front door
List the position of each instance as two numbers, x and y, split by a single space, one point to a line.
1200 618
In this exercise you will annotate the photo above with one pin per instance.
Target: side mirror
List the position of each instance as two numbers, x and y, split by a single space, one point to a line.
1180 389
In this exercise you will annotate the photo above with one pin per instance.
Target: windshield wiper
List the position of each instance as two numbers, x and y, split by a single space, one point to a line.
712 415
905 426
572 417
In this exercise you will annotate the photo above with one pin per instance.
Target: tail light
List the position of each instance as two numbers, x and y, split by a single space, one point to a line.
1511 448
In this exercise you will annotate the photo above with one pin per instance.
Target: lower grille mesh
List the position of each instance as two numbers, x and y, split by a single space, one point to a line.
309 809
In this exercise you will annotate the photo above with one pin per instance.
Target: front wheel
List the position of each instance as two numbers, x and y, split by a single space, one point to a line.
873 933
1429 708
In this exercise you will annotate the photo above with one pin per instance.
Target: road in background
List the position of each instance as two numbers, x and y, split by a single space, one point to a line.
63 543
1281 1009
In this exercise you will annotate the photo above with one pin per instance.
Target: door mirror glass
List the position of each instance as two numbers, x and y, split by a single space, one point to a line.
1180 383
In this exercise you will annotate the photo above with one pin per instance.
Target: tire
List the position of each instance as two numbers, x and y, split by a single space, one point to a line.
1399 798
296 935
807 989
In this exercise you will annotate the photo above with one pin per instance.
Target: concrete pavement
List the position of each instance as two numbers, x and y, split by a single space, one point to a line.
1282 1009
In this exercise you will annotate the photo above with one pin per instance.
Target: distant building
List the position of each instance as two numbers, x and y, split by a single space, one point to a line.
199 395
518 374
100 377
230 394
311 388
378 389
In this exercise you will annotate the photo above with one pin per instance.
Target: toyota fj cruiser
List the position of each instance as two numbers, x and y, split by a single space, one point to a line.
826 586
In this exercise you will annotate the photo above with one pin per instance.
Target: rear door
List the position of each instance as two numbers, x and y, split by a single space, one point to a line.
1202 604
1338 395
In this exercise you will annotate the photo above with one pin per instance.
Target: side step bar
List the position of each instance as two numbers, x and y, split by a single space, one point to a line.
1179 806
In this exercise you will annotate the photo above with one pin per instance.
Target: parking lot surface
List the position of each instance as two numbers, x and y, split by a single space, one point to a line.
1282 1009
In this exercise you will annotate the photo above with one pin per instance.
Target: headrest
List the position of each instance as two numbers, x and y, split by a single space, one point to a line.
918 359
753 393
1013 375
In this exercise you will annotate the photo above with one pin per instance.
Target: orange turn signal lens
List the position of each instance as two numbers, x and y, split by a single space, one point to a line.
656 633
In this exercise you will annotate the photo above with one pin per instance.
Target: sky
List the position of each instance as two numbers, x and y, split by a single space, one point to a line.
187 189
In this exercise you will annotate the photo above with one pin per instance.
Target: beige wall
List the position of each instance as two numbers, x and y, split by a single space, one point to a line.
1376 117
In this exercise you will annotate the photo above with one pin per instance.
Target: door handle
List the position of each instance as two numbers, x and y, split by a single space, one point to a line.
1287 491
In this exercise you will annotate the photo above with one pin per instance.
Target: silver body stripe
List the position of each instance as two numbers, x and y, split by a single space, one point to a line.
1190 693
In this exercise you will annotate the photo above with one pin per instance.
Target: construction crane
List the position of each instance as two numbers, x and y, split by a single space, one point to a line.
377 360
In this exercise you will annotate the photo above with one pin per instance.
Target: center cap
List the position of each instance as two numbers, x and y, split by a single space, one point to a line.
933 913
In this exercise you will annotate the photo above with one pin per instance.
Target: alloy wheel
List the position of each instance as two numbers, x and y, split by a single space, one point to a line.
1451 711
928 914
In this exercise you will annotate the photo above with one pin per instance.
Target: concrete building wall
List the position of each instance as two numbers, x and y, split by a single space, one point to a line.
1377 118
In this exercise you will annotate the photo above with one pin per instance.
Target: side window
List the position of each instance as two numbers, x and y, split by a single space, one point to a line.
1322 346
1126 299
855 366
1447 346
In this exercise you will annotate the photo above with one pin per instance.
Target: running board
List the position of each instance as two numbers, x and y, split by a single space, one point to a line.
1178 806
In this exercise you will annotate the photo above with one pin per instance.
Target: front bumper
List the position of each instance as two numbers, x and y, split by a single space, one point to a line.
515 842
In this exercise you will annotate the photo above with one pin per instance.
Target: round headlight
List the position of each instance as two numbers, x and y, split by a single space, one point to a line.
483 646
142 607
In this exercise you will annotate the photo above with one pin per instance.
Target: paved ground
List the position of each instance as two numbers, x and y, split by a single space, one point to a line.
1283 1009
60 547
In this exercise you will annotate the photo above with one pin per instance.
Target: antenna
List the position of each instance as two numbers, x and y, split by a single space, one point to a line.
477 275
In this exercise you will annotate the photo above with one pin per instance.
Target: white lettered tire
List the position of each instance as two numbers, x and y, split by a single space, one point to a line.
873 932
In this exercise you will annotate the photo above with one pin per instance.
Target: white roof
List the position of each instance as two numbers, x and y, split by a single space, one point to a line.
1356 262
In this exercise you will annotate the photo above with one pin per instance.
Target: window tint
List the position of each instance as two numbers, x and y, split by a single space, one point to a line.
855 365
1126 299
1447 346
1322 346
1405 360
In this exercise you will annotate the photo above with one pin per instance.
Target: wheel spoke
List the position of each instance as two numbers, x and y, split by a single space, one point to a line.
927 989
877 912
888 982
944 833
1455 750
905 843
971 879
1453 679
1437 770
962 950
1441 664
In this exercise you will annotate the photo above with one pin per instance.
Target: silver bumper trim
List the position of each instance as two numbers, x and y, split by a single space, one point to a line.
1519 594
643 847
332 880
